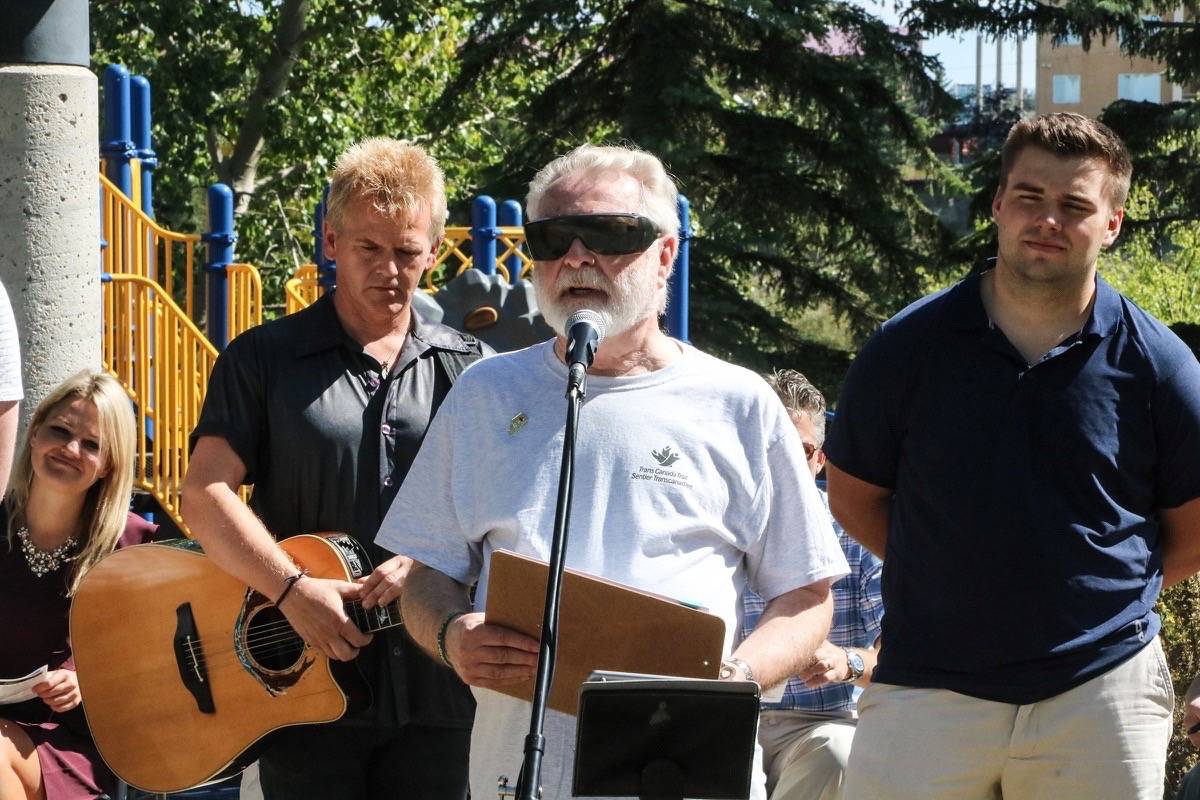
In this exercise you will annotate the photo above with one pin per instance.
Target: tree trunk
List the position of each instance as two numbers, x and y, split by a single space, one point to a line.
240 169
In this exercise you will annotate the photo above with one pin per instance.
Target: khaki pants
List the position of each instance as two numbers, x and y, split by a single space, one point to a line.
1104 739
804 756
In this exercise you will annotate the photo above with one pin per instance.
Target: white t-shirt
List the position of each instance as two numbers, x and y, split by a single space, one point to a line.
690 481
10 352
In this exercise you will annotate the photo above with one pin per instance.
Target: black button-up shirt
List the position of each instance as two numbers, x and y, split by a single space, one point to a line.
327 437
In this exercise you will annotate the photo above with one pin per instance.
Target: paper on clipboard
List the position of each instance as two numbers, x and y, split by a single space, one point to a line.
603 625
18 690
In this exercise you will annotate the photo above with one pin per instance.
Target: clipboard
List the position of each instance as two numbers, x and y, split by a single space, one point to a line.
603 625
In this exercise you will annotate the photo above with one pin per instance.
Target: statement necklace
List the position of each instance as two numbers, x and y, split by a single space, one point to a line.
42 562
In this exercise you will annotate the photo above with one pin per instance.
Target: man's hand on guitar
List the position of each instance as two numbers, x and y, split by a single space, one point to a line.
489 656
316 609
385 583
59 690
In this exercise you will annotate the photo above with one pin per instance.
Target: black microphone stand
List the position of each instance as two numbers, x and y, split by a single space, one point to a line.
528 781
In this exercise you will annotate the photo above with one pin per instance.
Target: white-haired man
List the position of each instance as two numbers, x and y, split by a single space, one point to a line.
739 506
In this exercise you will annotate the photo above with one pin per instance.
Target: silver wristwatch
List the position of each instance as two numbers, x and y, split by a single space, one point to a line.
856 665
731 664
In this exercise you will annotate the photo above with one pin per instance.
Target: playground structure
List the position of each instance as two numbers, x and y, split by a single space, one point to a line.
170 307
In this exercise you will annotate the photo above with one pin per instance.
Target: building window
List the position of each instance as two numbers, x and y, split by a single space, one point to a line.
1071 39
1140 87
1145 18
1066 89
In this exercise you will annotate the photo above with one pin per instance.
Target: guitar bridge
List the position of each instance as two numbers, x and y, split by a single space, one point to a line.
189 657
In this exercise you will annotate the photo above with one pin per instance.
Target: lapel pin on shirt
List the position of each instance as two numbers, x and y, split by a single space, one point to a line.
516 423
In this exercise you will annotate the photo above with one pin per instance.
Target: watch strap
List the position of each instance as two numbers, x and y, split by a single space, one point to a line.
730 663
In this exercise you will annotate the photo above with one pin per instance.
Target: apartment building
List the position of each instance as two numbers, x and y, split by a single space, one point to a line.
1070 79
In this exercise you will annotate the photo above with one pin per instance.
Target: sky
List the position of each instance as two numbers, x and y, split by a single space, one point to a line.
957 53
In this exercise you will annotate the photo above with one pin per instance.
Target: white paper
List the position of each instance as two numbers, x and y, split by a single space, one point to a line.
774 694
18 690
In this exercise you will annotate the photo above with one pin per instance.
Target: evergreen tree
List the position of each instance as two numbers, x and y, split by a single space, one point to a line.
1161 137
795 129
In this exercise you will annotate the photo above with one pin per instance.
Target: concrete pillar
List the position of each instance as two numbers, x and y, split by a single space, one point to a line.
49 213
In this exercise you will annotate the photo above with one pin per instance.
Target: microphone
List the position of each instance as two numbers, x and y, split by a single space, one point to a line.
585 330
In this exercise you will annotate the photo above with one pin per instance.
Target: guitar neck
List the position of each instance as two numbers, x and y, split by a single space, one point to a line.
370 620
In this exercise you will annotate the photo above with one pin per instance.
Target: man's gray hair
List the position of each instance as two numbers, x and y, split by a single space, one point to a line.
659 193
799 396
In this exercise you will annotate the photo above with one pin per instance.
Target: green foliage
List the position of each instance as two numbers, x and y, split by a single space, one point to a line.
1179 608
793 128
358 69
1160 274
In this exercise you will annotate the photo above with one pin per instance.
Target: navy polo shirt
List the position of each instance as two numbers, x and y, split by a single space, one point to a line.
1024 553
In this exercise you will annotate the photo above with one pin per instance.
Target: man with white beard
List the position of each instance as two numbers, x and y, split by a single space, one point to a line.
690 482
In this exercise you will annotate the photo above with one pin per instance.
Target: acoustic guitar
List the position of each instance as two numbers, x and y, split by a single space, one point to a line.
183 669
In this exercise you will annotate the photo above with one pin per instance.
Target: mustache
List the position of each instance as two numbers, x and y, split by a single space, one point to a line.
590 278
1036 236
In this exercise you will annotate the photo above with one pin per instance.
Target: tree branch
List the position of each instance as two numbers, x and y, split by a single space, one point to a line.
241 167
270 181
214 147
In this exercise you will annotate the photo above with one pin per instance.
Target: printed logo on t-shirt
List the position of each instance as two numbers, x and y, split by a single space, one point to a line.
666 457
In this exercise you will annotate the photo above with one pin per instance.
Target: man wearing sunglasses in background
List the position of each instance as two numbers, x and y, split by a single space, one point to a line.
690 480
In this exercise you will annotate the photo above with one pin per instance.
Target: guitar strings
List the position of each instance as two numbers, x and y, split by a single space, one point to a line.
280 634
275 634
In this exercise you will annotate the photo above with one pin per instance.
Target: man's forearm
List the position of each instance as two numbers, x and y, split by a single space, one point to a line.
791 628
235 539
1179 564
1180 542
428 598
863 509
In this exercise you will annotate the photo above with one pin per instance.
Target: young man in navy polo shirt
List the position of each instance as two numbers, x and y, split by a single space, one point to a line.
1024 451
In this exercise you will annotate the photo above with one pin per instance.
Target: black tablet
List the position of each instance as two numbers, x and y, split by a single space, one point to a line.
655 736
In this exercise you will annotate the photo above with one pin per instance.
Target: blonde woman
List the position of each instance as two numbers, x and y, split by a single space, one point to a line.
67 507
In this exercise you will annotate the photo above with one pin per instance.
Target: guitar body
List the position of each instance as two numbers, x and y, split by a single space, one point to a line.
183 669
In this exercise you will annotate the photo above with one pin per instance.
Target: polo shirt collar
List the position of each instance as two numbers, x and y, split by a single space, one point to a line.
1106 311
964 307
325 331
964 304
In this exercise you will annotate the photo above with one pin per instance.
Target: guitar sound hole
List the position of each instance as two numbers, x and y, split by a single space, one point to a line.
272 643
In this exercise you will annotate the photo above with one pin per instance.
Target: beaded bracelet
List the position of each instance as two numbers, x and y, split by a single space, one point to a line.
441 637
288 583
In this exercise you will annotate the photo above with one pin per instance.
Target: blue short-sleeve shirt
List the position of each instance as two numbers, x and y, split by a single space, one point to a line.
1024 553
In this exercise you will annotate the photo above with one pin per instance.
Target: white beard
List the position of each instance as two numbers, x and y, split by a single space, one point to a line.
632 296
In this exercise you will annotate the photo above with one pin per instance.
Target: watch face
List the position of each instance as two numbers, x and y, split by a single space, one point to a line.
856 663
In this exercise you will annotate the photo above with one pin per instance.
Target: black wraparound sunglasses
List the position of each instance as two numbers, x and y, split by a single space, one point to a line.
603 234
